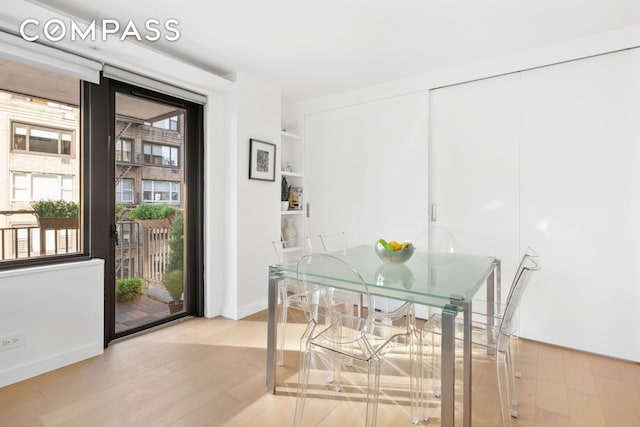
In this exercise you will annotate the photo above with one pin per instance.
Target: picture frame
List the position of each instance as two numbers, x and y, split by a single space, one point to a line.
262 160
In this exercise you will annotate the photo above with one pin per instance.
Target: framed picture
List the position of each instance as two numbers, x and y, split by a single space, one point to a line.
262 160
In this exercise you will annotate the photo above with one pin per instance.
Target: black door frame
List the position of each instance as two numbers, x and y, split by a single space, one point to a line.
98 123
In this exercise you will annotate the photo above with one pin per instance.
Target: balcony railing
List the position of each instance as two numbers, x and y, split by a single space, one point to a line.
141 250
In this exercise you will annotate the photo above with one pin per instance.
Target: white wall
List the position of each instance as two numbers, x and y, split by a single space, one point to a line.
252 206
59 309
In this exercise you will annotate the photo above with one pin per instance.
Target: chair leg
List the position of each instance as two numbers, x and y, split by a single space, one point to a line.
504 384
334 375
303 385
373 391
417 370
512 374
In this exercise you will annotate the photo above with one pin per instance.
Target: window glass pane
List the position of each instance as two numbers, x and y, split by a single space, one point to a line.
166 155
40 130
174 156
43 141
123 150
147 154
175 191
20 187
161 186
67 188
20 180
45 187
119 150
126 151
65 148
20 138
124 191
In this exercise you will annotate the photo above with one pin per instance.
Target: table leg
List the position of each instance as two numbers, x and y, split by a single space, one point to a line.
466 403
272 328
491 307
447 365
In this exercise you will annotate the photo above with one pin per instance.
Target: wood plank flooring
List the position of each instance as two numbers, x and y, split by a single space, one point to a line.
211 372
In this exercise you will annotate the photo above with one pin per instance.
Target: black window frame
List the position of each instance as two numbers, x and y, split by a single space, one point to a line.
84 199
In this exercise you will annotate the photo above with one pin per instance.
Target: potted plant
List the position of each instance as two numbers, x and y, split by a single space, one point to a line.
56 214
173 279
129 289
120 211
152 215
173 282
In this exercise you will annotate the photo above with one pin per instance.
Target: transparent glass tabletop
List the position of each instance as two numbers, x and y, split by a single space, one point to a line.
433 279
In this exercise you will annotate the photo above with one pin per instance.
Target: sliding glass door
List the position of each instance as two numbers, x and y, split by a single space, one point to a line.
154 267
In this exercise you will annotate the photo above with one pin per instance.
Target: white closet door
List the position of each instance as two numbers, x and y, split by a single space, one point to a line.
473 161
366 169
580 205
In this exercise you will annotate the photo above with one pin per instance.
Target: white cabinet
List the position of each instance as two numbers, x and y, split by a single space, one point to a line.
292 181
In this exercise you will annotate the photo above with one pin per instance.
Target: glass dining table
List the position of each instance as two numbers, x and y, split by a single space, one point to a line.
446 281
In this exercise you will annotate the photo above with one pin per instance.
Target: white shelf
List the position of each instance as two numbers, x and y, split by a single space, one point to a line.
292 159
290 135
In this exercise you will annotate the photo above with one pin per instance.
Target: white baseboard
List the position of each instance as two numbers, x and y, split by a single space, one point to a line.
49 363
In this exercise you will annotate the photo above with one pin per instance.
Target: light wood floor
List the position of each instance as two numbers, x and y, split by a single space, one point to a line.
211 372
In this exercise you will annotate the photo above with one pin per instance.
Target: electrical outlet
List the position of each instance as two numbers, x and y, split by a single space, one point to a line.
8 342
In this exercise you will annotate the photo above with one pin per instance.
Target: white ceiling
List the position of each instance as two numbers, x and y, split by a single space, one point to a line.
312 48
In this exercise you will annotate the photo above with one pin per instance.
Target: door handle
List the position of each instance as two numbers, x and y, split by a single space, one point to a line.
434 212
114 233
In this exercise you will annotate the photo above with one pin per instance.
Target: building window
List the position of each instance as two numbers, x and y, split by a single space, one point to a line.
171 123
27 187
124 191
124 150
160 191
38 139
162 155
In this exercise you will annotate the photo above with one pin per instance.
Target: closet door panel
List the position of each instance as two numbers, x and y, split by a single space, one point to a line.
473 161
580 202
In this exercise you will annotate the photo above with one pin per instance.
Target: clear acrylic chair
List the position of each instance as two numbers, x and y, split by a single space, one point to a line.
362 340
435 239
337 244
291 296
334 242
505 329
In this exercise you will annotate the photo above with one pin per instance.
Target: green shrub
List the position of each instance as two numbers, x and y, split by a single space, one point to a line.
174 283
129 289
151 211
55 208
176 244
